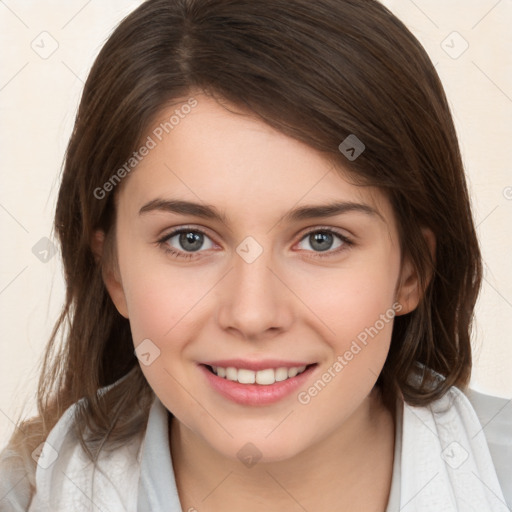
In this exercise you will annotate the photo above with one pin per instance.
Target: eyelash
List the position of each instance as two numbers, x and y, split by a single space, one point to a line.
162 242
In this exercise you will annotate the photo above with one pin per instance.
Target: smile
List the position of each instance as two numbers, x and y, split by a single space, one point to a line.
264 377
263 384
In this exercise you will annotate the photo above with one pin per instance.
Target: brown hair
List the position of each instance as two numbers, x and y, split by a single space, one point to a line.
317 71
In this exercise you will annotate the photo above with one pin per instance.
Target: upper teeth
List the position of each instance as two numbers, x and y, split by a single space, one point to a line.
263 377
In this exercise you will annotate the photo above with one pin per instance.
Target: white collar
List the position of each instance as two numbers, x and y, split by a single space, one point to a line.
445 465
444 462
157 486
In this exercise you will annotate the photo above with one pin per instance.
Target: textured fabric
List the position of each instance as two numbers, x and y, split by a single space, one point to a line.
14 483
495 415
442 463
446 463
74 483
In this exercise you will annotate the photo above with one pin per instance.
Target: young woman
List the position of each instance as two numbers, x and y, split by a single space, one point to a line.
271 271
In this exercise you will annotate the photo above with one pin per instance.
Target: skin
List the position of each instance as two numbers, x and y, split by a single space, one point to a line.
290 303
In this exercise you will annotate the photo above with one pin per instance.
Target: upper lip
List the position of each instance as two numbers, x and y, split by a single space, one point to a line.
256 365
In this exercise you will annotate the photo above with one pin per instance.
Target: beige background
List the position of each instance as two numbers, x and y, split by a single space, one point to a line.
39 94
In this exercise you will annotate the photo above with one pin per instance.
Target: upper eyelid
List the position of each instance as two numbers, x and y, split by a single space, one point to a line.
336 231
177 230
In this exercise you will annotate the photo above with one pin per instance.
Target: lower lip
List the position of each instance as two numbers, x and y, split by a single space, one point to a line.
256 394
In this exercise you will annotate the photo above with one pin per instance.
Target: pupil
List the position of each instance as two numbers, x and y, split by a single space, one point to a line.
324 241
195 239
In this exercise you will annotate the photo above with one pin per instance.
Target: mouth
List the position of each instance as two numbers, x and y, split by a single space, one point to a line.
263 384
265 377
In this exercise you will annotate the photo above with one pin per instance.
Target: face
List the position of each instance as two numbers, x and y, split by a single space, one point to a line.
255 282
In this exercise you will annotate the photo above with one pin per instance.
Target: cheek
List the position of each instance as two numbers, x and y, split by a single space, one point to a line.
163 307
355 306
160 297
167 306
350 300
359 316
153 307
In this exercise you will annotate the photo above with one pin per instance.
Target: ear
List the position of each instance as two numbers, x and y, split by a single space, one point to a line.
106 258
409 292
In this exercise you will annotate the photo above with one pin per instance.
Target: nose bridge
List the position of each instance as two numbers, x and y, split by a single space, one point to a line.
254 299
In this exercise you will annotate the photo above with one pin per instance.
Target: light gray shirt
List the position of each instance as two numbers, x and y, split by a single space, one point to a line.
157 488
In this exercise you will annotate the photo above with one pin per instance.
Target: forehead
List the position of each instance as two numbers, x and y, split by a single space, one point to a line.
218 155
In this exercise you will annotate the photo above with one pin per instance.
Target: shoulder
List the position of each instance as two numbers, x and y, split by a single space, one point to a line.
15 487
495 417
19 468
494 413
482 423
472 443
67 479
66 476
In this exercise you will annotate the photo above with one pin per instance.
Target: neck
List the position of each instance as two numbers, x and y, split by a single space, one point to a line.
360 453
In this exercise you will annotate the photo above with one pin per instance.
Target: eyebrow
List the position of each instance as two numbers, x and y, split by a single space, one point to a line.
297 214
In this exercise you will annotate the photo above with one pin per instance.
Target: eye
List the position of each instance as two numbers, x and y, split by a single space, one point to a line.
323 240
184 242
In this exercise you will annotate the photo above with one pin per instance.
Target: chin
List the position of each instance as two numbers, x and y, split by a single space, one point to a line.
251 449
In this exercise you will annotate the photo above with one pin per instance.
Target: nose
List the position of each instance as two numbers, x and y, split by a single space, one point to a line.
255 302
